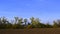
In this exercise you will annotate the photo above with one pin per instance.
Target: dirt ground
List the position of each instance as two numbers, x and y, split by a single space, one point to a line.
31 31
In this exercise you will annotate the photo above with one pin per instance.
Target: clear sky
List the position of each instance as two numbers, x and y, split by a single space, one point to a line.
46 10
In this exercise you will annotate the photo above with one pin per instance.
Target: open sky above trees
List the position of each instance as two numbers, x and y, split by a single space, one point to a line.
46 10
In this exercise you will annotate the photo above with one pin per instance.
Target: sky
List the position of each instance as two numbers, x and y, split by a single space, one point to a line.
46 10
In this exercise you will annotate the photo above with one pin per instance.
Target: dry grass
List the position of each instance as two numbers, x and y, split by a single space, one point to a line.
31 31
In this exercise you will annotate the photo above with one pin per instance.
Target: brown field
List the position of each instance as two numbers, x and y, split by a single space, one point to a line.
31 31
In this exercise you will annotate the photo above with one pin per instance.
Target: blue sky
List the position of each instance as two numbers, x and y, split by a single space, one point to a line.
46 10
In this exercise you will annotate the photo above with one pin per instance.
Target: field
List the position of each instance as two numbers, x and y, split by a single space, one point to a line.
31 31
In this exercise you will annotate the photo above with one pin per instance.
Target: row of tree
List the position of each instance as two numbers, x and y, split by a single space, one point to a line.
20 23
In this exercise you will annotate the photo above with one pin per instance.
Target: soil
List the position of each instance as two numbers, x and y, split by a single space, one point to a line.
31 31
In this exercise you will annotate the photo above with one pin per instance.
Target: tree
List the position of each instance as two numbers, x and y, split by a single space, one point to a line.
16 19
25 20
32 20
58 22
20 21
4 20
35 22
5 23
48 25
8 25
55 25
0 21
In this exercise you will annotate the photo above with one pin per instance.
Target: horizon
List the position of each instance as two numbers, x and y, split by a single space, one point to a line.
46 10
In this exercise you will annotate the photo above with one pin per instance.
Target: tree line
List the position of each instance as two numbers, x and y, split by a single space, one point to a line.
20 23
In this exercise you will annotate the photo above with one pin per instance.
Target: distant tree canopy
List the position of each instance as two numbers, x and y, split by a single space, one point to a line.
20 23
